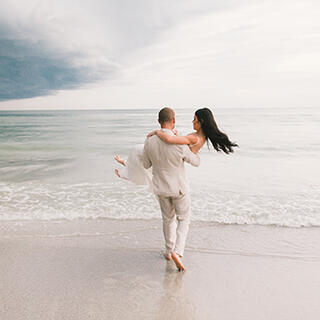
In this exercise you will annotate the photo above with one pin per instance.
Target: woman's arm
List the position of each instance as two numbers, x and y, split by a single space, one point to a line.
190 139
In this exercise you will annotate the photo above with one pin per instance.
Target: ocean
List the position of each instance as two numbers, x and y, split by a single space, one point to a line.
57 165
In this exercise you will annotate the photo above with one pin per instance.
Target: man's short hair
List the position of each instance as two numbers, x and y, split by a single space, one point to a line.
165 115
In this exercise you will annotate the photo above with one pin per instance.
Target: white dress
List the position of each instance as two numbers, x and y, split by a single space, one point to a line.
134 170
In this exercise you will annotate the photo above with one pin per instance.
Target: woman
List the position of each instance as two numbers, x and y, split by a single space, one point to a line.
205 128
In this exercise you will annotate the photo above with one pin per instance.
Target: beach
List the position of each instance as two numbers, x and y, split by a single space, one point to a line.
113 269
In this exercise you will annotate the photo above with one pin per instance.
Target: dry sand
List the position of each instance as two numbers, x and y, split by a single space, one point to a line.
107 269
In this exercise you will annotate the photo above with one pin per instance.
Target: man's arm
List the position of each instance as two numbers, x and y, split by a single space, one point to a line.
190 157
145 157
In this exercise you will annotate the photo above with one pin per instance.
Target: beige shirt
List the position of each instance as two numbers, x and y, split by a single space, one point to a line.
167 161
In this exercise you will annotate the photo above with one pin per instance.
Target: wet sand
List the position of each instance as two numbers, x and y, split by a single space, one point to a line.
109 269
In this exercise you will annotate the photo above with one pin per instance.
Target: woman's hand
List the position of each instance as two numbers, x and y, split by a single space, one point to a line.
175 132
152 133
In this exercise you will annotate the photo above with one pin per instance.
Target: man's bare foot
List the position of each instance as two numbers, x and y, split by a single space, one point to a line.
167 256
116 171
118 159
177 261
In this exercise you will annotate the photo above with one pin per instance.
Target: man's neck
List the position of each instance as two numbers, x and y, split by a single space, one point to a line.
166 127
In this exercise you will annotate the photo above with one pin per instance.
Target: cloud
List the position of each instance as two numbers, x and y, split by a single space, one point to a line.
123 53
258 54
46 47
30 70
43 50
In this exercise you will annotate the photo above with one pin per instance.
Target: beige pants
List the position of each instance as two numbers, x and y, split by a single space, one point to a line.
176 218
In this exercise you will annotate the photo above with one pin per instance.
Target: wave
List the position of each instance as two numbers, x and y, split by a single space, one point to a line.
35 201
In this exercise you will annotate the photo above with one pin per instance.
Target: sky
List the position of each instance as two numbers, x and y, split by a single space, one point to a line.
95 54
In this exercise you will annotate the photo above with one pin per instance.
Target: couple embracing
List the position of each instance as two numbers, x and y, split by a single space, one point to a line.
165 153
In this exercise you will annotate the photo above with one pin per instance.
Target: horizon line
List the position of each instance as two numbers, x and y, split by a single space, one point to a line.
148 108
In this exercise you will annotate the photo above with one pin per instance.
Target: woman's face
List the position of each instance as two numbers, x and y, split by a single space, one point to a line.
196 123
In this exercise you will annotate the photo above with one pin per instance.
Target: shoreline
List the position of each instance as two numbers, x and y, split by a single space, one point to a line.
4 223
114 269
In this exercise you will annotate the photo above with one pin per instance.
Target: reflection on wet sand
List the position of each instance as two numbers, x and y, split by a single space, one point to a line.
174 302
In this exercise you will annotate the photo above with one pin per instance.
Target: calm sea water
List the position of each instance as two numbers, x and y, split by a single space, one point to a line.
59 165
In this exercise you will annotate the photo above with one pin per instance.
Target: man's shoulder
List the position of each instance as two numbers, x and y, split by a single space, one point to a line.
150 143
151 139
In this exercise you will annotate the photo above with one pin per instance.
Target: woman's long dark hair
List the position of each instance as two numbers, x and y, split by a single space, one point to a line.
219 140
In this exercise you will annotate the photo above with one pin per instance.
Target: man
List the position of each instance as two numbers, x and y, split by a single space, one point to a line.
170 184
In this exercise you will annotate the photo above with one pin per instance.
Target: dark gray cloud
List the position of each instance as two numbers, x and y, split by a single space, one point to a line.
29 69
